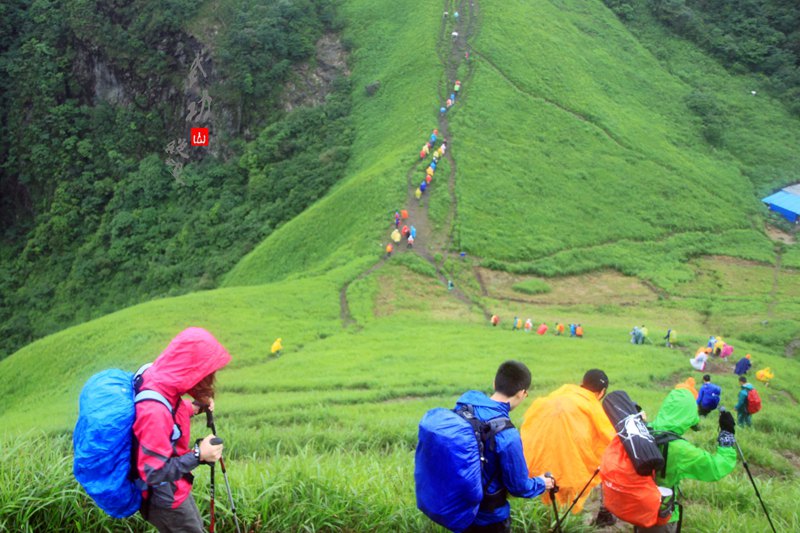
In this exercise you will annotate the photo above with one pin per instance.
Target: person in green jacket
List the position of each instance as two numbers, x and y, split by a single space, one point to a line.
684 460
744 416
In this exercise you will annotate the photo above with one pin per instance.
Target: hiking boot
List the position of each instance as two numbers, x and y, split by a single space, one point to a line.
604 518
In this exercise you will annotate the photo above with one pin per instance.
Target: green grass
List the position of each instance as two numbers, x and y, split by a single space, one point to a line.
532 286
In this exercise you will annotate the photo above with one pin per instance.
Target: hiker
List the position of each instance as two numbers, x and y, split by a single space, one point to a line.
670 338
410 241
559 329
457 86
718 346
727 351
742 366
396 219
572 328
765 375
405 231
528 325
708 396
450 285
425 151
404 214
636 335
395 236
449 103
542 329
567 432
742 408
495 320
277 346
187 366
711 341
515 325
505 463
684 460
433 137
389 249
429 171
413 231
428 179
423 186
579 331
418 193
698 362
645 333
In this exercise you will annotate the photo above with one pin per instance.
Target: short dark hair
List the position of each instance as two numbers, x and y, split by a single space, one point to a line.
707 378
742 379
595 380
512 377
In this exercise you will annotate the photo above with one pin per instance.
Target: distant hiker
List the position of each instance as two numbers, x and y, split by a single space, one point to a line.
426 149
449 103
698 362
718 346
711 341
433 165
572 329
636 335
542 329
579 331
443 147
434 136
528 325
727 351
457 86
742 366
429 171
450 285
163 454
455 15
454 35
559 329
277 346
684 460
396 236
669 338
708 396
566 432
418 193
423 186
405 231
503 471
389 249
396 219
410 241
404 214
645 333
428 179
765 375
453 97
743 408
515 326
495 320
442 110
413 231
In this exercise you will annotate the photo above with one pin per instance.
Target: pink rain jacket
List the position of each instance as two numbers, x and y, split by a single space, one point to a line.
164 465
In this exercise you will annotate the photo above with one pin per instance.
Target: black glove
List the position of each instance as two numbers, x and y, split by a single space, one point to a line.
726 422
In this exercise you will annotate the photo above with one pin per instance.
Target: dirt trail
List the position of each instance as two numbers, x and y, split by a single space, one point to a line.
452 51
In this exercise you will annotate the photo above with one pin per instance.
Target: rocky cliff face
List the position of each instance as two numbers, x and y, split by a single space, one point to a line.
312 81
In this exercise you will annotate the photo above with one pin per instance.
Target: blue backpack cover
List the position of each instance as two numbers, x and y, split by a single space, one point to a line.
103 437
711 396
448 472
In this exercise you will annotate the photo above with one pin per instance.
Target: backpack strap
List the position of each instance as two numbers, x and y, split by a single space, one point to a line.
663 438
485 433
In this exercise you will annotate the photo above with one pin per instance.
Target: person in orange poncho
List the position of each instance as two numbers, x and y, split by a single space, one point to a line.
566 432
690 385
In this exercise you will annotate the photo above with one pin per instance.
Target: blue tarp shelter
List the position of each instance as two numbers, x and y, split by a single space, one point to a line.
784 203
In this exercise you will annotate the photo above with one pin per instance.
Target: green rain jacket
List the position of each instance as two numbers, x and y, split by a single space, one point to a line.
685 460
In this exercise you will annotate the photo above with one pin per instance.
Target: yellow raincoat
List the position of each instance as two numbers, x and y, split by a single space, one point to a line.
765 375
277 346
566 433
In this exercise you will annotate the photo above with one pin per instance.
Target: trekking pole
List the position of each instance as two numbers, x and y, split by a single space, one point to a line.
746 467
578 497
552 493
213 427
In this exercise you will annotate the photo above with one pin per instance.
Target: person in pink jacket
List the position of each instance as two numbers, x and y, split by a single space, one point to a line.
164 456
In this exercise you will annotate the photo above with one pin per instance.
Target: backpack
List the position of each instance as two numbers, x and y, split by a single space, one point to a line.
711 396
753 401
630 496
448 467
103 439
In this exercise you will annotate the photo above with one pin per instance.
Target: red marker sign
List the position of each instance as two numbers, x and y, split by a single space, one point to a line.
199 137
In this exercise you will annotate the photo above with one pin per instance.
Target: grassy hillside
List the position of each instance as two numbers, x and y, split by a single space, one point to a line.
576 160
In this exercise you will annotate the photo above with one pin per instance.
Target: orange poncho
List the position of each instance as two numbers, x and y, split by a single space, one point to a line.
566 433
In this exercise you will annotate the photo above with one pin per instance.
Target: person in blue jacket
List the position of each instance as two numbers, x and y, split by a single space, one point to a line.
505 462
708 396
742 366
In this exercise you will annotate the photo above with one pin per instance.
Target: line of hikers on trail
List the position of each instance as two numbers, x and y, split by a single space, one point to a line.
575 330
409 233
469 460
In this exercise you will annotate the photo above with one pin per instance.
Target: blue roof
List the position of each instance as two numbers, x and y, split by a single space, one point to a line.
790 202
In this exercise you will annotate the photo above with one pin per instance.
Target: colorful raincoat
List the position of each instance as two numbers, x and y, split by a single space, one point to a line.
566 433
164 459
685 460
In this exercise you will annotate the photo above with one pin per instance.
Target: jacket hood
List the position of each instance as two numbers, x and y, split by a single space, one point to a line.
747 386
678 412
192 355
486 408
